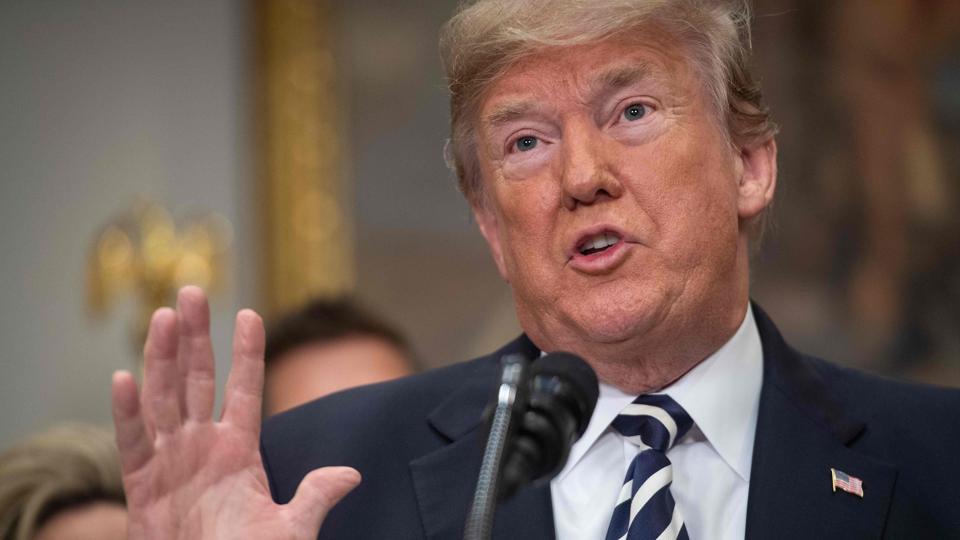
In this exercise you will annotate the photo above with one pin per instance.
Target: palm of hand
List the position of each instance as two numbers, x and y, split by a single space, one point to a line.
187 476
196 479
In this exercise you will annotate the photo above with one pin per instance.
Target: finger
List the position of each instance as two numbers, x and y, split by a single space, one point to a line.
133 442
319 492
195 355
244 393
161 407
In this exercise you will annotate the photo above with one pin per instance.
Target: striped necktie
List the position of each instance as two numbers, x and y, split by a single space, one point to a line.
645 509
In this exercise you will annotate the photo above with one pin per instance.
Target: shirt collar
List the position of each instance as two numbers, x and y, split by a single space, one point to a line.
721 394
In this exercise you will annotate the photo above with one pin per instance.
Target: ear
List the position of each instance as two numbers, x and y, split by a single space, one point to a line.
758 178
490 229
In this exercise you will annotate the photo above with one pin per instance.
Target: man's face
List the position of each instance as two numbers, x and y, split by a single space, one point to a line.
614 204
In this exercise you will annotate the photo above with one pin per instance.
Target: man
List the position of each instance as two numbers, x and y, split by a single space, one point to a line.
618 159
325 346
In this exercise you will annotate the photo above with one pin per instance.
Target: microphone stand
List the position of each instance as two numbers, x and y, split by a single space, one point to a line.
480 520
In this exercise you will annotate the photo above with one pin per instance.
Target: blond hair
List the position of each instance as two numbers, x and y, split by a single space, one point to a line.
62 467
485 37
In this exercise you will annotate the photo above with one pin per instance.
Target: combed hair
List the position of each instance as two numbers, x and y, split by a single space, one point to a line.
61 468
485 37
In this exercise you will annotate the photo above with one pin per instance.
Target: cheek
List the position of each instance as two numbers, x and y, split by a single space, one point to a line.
526 212
690 195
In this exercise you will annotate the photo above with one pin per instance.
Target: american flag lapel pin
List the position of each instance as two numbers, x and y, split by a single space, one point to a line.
847 483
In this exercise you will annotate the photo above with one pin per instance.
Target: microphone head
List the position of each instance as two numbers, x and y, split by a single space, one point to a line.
562 394
575 372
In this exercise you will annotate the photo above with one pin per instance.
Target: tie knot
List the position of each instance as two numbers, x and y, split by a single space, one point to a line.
653 420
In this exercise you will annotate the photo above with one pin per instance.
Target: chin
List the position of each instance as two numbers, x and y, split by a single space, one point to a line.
618 316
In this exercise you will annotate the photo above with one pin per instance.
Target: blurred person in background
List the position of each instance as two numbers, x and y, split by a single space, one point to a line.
329 345
63 484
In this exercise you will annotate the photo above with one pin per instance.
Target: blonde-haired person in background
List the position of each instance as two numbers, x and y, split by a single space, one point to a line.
62 484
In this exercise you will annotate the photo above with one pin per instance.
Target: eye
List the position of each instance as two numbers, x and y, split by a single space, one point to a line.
526 143
634 111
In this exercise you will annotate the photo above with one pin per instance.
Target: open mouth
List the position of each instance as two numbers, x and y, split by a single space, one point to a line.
597 243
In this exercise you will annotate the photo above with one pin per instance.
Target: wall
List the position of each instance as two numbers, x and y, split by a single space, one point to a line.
101 102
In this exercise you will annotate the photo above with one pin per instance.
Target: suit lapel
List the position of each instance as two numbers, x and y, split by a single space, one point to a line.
803 432
445 479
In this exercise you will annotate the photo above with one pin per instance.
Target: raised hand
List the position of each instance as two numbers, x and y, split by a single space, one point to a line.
187 476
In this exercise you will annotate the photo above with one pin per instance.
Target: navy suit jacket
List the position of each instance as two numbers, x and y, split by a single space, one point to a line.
418 443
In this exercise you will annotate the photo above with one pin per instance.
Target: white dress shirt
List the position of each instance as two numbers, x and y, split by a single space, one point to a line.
711 464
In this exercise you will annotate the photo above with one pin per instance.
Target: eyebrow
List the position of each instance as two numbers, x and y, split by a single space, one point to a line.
507 112
617 78
604 84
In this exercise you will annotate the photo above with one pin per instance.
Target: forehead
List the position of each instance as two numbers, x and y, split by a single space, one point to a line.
580 71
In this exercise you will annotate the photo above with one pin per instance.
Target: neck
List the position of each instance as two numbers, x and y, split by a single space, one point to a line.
663 355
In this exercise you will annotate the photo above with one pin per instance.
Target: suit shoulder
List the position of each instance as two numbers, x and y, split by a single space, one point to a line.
376 429
887 392
894 407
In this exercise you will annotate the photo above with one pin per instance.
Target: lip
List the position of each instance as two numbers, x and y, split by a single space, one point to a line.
602 262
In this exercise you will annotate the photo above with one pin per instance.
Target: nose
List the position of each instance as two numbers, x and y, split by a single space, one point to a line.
586 179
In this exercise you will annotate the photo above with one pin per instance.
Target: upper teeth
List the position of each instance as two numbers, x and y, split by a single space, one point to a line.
599 241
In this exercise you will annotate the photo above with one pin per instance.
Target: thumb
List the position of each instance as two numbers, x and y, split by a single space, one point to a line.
320 491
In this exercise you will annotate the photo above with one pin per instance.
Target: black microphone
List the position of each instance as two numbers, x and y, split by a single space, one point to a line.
561 395
534 420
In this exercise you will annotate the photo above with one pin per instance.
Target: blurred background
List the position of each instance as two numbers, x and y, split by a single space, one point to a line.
274 151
